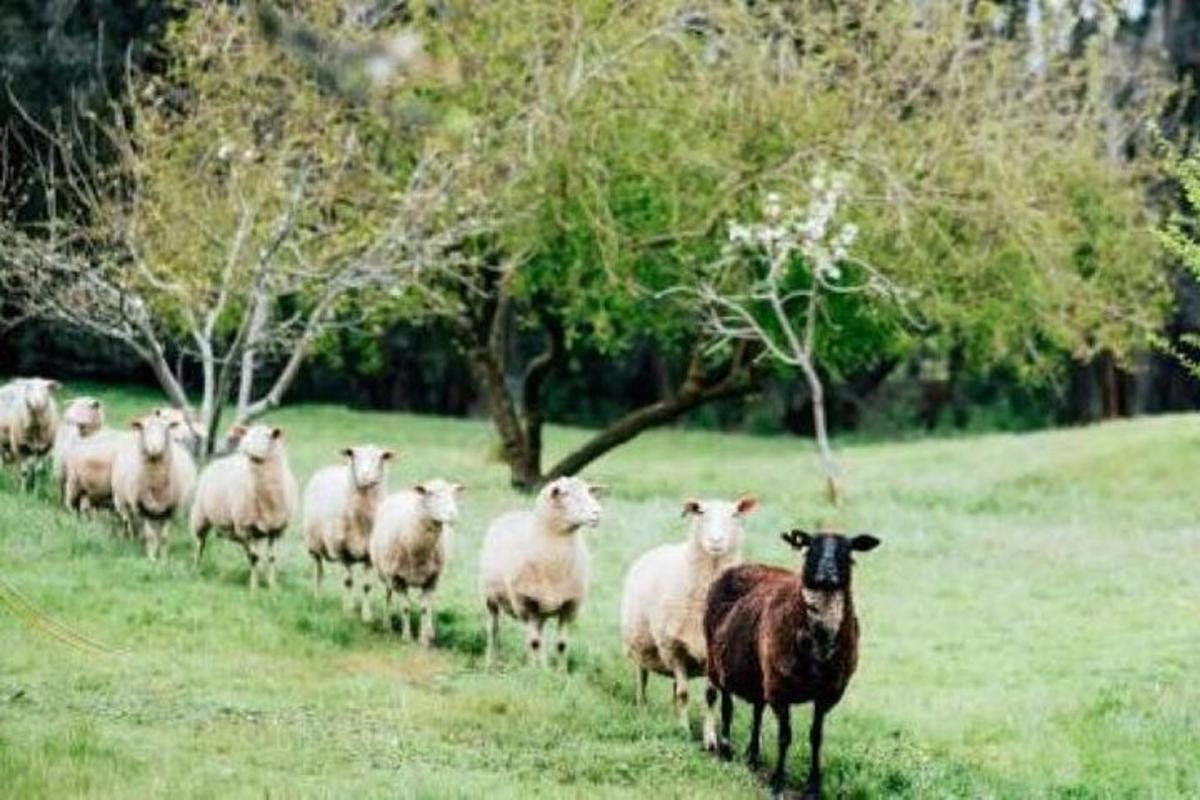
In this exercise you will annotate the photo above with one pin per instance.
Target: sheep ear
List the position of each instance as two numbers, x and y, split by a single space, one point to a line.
136 424
691 506
597 489
348 452
237 431
864 542
388 455
746 504
53 385
420 488
797 538
95 404
459 487
276 433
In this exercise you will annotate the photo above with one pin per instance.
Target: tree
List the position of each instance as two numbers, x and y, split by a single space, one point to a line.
1178 237
240 214
630 138
786 280
576 161
56 56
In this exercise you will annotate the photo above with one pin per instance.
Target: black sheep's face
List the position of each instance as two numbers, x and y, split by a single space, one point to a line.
828 557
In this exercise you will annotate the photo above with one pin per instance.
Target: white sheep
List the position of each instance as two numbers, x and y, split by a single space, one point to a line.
409 545
666 589
28 422
87 470
249 497
83 417
152 476
535 564
185 433
339 510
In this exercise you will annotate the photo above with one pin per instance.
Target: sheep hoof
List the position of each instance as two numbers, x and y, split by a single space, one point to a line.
724 751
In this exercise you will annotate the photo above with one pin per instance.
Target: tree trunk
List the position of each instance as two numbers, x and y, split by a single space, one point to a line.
527 474
695 392
641 420
829 465
514 449
1111 390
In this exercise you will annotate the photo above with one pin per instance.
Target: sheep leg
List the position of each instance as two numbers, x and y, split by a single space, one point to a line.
562 639
387 604
201 534
724 746
149 540
126 530
162 533
426 617
681 695
812 789
272 574
783 715
366 596
533 640
154 535
348 588
493 633
71 494
251 556
711 743
318 572
753 749
643 675
405 612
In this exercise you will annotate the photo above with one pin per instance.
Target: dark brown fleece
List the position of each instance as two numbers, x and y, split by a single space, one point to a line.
762 646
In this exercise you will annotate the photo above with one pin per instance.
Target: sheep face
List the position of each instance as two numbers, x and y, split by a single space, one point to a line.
717 524
439 500
182 432
258 442
154 435
827 557
86 413
368 465
37 394
573 500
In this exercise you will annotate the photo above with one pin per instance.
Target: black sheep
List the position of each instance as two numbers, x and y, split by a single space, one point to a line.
777 638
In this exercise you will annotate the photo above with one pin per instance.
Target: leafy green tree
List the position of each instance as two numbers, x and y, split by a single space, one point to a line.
240 212
629 138
540 169
1180 240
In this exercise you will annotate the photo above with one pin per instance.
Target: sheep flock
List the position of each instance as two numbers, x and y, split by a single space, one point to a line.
690 608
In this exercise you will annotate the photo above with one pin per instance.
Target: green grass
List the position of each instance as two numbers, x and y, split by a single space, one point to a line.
1030 630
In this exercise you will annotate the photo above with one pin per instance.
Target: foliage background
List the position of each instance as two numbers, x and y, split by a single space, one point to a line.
1021 269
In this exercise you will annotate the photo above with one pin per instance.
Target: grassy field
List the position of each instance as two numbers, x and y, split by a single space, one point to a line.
1031 629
